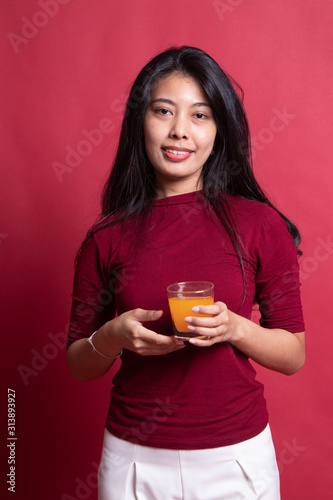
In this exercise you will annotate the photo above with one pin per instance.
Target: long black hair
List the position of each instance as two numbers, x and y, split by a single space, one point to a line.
131 187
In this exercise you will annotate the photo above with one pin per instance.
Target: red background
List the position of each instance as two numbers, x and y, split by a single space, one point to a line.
68 66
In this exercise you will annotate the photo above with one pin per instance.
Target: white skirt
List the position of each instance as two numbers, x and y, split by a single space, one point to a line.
244 471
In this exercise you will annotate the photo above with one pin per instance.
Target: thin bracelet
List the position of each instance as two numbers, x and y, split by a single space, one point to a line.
90 340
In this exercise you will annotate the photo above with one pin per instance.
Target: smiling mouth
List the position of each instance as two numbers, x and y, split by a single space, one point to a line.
178 153
175 152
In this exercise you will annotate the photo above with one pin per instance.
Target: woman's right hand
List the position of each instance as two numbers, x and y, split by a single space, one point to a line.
126 331
123 332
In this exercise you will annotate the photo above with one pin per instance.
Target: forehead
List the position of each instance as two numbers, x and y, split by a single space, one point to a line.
178 84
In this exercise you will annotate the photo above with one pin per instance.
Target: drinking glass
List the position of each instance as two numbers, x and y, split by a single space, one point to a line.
182 297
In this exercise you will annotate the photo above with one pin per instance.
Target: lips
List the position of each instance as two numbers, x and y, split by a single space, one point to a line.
177 154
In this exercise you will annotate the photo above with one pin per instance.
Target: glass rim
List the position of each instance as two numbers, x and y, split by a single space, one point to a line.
197 286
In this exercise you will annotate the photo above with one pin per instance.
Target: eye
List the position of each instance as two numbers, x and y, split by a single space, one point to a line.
200 116
162 111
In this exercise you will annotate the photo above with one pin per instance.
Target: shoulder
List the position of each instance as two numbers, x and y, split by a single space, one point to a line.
261 228
100 239
252 213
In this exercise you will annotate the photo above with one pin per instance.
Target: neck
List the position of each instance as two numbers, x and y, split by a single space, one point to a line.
176 188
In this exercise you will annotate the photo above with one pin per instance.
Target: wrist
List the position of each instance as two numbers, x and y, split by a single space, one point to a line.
104 344
241 329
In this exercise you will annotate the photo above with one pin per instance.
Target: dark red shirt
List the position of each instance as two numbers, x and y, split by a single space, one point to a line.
194 398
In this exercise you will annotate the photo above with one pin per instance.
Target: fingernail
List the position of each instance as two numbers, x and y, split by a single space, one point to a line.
195 309
188 319
190 327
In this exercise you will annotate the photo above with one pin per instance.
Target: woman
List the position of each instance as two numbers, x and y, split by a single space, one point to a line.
186 419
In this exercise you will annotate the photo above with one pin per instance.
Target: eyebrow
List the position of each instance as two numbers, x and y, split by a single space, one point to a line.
169 101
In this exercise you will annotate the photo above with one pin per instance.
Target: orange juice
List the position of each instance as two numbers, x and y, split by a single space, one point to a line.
181 307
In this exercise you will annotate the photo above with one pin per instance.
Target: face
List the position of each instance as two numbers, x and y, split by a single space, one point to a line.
179 132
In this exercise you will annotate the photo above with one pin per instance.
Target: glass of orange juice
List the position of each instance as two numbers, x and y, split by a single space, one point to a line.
182 297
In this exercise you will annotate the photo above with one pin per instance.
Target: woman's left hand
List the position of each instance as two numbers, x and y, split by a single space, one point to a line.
220 327
274 348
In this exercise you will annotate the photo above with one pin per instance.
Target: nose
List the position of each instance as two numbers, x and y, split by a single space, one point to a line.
180 128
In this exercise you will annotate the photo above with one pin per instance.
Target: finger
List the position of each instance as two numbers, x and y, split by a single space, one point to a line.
216 308
207 333
155 339
142 315
204 321
159 352
154 344
208 341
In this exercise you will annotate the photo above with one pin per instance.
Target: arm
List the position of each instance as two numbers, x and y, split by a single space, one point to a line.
113 333
123 332
276 349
